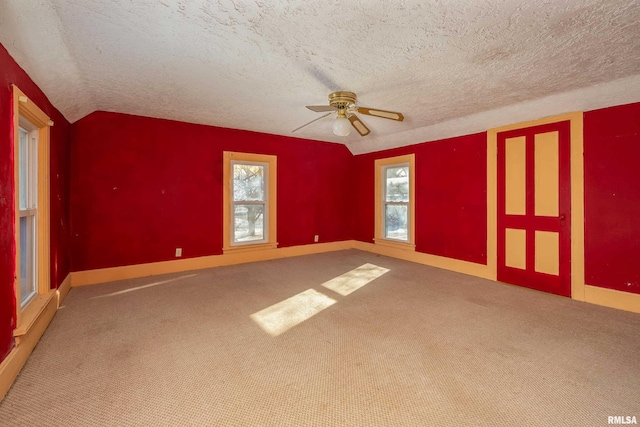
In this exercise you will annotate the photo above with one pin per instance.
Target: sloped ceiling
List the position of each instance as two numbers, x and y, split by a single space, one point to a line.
452 67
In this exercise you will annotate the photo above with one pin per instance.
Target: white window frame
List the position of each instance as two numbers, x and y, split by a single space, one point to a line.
270 195
264 202
381 166
386 203
30 211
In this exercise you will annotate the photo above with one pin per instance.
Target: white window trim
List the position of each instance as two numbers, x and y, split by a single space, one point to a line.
385 203
270 241
265 202
380 167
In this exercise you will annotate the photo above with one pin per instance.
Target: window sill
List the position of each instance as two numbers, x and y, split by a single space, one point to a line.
30 315
395 244
249 248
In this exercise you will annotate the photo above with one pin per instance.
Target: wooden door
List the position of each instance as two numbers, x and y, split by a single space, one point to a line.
534 203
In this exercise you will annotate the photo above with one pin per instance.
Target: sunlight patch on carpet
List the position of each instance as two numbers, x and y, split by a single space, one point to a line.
286 314
355 279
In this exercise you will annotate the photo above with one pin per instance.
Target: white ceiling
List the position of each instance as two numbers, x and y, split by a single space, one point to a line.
451 66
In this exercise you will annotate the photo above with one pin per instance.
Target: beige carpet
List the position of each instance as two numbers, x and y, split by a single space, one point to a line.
417 346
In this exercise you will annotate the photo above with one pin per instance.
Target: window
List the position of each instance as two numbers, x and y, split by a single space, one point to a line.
250 201
27 194
31 169
394 201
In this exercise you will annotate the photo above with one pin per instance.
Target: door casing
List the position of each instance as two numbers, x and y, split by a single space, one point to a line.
577 196
534 214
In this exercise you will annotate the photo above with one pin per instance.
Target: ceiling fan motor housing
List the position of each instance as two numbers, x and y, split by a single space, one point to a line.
342 101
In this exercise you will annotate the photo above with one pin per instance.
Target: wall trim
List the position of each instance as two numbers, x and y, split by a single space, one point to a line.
612 298
63 290
459 266
15 360
102 275
91 277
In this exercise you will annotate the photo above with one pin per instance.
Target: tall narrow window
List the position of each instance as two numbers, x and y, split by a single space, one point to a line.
394 201
32 206
249 201
27 209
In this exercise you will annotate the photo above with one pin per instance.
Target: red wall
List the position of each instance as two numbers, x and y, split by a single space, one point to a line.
11 73
141 187
451 196
612 197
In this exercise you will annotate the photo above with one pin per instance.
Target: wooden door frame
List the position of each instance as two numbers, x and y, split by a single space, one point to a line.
577 196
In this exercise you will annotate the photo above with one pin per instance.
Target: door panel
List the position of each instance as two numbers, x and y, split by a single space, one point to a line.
516 248
534 202
546 174
547 253
515 171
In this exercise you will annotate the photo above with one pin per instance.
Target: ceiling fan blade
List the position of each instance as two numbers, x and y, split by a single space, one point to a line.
321 108
358 125
381 113
314 120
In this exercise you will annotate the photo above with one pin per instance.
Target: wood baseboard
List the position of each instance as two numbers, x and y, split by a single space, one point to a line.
15 360
13 363
592 294
63 290
612 298
459 266
91 277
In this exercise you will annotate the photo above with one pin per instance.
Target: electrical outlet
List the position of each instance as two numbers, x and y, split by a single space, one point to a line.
178 252
316 238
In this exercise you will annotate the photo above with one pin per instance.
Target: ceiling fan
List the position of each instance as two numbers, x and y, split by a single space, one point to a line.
344 103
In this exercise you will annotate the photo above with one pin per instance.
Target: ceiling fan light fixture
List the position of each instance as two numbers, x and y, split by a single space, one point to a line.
342 126
344 103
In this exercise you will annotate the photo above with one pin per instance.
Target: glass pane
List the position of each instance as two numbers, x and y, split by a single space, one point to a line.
397 184
27 282
249 222
23 169
23 250
395 222
248 182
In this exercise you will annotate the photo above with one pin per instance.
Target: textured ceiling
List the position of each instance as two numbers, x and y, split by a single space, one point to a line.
452 67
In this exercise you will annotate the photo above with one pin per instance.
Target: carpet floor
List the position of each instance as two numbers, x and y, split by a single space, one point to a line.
346 338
